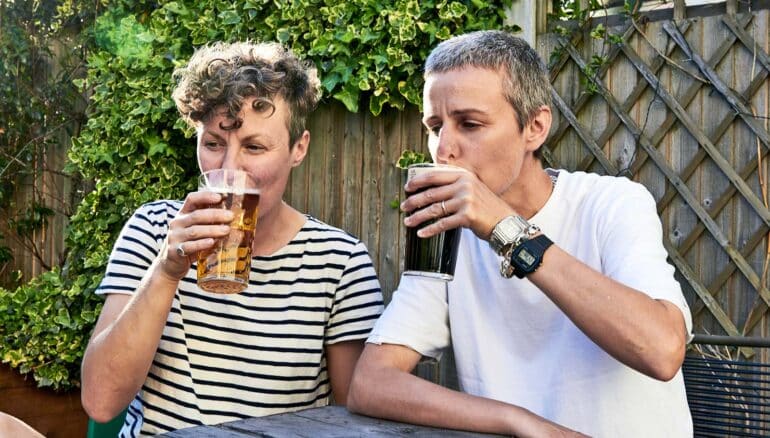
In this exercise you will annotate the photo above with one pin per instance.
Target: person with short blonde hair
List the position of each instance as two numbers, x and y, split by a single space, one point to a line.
563 315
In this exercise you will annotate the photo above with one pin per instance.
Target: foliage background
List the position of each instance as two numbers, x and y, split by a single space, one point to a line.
135 149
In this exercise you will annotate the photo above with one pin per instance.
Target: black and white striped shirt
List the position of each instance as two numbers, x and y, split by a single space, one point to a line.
259 352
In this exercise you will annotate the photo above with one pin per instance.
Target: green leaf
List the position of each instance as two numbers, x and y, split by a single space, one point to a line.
409 157
348 98
176 8
230 17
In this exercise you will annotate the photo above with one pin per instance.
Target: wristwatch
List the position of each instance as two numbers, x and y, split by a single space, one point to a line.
510 239
508 231
526 257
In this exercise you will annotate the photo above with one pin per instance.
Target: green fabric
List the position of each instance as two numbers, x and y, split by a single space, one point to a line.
109 429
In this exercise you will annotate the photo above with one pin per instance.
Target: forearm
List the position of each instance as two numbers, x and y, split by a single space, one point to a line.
119 355
643 333
398 395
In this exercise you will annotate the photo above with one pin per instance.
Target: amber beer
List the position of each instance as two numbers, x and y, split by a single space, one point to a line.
435 256
225 268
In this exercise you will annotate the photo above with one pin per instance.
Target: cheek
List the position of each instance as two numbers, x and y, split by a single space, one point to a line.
273 176
432 146
207 160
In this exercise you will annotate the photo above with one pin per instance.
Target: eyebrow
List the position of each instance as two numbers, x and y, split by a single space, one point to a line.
458 113
213 134
244 139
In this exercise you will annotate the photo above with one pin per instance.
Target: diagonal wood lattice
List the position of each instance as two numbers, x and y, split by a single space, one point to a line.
682 108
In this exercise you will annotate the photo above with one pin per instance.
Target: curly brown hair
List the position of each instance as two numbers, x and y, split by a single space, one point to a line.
222 75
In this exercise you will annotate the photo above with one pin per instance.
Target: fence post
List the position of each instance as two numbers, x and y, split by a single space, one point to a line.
732 7
524 14
679 10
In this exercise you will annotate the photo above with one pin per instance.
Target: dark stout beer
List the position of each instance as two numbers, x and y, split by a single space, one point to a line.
225 268
434 256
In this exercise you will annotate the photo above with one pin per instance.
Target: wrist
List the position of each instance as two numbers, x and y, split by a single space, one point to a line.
520 244
509 232
160 274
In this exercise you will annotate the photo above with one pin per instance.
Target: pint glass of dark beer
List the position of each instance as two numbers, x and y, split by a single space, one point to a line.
434 256
225 268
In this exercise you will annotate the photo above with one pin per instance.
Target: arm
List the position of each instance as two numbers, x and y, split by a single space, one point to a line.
643 333
11 426
646 334
341 360
123 344
384 387
357 305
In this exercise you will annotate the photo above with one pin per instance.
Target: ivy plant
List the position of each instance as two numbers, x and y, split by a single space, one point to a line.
42 321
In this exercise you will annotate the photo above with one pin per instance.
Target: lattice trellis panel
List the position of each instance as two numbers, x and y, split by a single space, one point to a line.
682 108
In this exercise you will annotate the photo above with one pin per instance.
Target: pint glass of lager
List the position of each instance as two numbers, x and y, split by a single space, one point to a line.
433 256
225 268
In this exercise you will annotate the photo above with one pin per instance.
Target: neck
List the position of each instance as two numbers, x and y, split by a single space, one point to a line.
532 189
276 229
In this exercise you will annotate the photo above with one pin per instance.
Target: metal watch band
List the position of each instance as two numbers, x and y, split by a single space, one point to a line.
506 232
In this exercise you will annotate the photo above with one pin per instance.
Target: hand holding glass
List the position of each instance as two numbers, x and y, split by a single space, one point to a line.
225 268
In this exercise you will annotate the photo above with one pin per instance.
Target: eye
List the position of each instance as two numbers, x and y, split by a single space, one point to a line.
434 129
470 125
211 145
254 148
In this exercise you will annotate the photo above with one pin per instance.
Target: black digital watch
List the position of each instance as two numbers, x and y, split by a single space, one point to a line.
528 255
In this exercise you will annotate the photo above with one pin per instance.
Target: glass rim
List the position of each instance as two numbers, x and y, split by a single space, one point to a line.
225 178
436 166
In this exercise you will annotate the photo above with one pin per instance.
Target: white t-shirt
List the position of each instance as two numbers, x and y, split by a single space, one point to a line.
511 343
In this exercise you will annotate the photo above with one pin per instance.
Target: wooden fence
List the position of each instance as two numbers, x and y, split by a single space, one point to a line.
681 107
44 183
349 179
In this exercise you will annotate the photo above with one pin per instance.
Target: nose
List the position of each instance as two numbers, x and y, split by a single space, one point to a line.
445 150
231 159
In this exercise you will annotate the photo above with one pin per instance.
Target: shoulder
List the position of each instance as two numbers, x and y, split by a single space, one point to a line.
603 189
320 232
157 212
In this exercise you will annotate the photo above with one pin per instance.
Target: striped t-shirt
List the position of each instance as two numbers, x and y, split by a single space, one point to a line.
255 353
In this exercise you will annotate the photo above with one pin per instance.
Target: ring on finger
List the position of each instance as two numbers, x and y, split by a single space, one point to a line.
180 250
443 208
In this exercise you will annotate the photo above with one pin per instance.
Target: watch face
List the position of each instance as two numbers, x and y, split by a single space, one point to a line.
525 257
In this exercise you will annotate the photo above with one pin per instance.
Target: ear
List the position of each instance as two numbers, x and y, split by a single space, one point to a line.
538 128
299 150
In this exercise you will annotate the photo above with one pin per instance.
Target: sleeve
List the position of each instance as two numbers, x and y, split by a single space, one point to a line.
134 251
633 252
357 300
417 317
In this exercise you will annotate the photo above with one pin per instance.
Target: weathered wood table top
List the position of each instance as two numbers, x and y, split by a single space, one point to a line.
329 421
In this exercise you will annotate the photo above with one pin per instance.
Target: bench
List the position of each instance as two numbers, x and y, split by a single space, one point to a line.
728 395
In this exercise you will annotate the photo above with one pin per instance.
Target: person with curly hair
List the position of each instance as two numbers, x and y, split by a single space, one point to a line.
179 356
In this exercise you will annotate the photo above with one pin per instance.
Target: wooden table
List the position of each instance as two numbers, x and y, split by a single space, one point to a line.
329 421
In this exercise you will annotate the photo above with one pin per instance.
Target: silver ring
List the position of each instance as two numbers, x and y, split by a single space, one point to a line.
180 251
443 208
